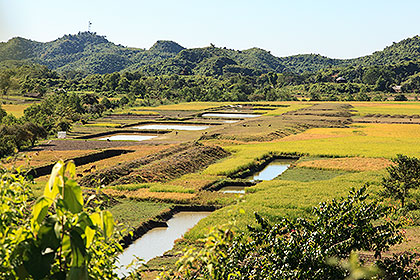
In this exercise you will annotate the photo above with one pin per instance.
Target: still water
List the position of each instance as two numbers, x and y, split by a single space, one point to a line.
228 115
272 170
159 240
233 189
172 126
128 137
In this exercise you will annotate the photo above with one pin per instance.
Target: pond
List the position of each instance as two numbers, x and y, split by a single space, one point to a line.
172 126
233 189
230 115
159 240
272 170
128 137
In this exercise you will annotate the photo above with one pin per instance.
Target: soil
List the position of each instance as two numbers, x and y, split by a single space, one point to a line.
66 145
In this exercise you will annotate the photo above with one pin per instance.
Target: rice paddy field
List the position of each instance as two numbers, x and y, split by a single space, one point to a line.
391 108
336 152
15 109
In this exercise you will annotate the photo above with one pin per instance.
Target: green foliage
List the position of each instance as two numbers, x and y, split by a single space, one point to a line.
402 176
294 249
61 238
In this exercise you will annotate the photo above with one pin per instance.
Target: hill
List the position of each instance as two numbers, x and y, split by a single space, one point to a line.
90 53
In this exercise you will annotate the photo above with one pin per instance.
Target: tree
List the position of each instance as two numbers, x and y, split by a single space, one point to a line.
3 113
61 238
5 82
403 176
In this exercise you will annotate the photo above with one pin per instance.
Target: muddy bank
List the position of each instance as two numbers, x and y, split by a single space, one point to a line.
171 122
160 221
221 184
46 169
119 131
69 145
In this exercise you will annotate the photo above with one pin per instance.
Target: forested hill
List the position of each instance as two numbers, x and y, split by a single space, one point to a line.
90 53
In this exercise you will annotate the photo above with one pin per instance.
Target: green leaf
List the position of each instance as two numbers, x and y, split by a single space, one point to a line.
108 223
73 196
40 210
71 168
51 189
78 249
90 234
78 273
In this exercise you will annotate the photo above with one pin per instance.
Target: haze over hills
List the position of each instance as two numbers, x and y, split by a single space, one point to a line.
90 53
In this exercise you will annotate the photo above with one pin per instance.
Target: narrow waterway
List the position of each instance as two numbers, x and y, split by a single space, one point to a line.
172 126
159 240
233 189
230 115
127 137
272 170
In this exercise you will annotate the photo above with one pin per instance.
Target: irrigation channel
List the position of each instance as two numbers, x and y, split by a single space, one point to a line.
230 115
160 239
172 126
269 172
127 137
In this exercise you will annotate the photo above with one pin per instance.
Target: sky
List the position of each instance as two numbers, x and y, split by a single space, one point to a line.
337 29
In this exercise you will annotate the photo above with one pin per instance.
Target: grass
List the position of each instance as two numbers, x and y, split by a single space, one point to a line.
277 199
309 174
154 187
132 213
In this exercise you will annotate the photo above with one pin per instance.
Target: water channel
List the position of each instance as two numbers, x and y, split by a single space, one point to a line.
159 240
272 170
233 189
172 126
230 115
127 137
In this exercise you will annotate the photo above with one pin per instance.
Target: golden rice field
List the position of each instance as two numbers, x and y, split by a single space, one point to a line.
15 109
394 108
347 164
367 140
277 199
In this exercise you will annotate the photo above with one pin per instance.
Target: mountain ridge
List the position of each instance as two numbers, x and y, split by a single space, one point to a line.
90 53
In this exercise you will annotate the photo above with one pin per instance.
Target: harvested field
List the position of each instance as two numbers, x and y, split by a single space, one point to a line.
146 194
66 145
165 165
347 164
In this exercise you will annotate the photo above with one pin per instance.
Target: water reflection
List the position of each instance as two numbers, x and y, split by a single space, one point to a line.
230 115
159 240
172 126
272 170
128 137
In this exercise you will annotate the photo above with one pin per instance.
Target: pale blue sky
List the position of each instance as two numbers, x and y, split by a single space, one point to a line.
338 29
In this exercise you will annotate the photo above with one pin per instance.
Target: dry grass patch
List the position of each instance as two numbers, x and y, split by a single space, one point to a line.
40 158
139 151
15 109
348 164
195 181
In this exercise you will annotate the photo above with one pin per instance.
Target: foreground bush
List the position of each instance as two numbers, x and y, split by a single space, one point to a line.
60 238
295 249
